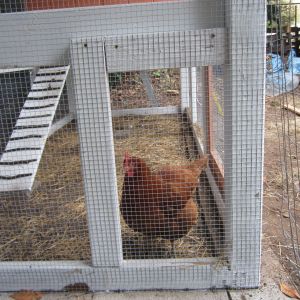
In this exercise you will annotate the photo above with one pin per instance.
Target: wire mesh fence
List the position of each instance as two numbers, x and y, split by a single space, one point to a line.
161 137
30 5
130 145
47 221
282 126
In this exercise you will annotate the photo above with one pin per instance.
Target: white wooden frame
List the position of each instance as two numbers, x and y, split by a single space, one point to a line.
108 271
244 91
39 50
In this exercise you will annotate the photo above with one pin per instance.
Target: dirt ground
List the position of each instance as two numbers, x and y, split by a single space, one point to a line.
128 91
280 216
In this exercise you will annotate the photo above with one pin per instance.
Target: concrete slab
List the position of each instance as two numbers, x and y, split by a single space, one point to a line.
151 295
55 296
165 295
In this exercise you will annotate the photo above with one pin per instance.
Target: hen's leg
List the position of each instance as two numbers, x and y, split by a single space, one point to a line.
173 249
148 247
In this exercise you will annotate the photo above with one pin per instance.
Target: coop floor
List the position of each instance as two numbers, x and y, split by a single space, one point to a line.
51 224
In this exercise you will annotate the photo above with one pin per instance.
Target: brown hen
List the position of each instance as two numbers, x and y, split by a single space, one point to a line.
160 204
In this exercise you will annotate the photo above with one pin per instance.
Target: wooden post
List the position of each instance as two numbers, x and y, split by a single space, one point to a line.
97 151
243 146
193 93
184 84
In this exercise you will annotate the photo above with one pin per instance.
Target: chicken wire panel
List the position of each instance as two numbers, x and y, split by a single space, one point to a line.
282 132
160 137
160 205
42 210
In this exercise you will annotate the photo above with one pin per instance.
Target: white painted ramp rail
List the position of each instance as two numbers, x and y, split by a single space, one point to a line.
23 152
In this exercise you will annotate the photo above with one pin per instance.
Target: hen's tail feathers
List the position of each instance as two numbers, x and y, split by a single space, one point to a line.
200 164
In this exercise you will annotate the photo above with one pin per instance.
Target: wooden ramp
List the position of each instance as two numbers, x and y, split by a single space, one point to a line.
23 152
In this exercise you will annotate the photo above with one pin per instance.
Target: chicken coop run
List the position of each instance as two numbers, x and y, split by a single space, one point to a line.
131 144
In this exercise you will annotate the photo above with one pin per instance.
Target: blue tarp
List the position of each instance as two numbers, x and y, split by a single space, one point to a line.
278 80
293 63
274 63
